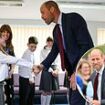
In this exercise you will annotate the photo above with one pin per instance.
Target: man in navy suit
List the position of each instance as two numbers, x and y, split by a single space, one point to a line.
76 41
96 58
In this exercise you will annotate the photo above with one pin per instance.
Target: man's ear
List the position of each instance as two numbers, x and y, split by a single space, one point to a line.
52 9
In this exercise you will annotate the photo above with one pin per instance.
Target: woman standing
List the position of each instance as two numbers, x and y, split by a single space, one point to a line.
6 59
7 34
84 72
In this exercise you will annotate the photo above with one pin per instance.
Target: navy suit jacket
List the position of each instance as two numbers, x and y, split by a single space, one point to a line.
92 78
76 38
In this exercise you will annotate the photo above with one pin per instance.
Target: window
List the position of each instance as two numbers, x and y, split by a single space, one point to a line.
21 33
101 36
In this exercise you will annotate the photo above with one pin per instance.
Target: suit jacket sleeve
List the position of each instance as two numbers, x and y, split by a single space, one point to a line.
51 56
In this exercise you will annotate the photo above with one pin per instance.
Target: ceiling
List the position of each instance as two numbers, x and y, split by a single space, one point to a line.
91 10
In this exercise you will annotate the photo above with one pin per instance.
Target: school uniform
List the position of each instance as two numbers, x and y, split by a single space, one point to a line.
8 84
4 61
48 81
26 81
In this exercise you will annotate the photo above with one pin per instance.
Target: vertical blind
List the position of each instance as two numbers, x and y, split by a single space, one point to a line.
21 33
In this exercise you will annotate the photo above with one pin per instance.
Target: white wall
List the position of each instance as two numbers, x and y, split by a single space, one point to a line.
31 10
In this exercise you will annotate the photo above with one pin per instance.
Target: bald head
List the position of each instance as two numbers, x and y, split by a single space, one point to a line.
50 4
50 12
96 52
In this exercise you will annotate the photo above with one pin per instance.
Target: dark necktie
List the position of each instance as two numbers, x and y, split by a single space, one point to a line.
95 96
61 47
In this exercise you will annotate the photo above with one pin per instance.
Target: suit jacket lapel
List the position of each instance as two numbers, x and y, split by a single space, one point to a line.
64 27
102 83
64 24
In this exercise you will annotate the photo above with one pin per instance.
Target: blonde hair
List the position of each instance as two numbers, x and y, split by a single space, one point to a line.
82 61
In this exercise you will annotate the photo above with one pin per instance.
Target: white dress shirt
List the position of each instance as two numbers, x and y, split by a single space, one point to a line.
7 59
99 83
60 25
24 71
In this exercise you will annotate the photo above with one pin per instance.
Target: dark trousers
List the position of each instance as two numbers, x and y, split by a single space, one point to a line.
26 91
75 98
1 93
9 91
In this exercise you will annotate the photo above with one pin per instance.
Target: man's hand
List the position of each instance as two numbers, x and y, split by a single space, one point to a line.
73 82
96 102
36 69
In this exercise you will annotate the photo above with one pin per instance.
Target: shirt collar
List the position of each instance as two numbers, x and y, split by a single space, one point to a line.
101 70
30 51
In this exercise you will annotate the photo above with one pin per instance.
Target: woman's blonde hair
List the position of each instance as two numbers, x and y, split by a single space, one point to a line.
81 62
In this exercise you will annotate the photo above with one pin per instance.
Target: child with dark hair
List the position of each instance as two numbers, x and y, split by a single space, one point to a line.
26 77
49 82
6 32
